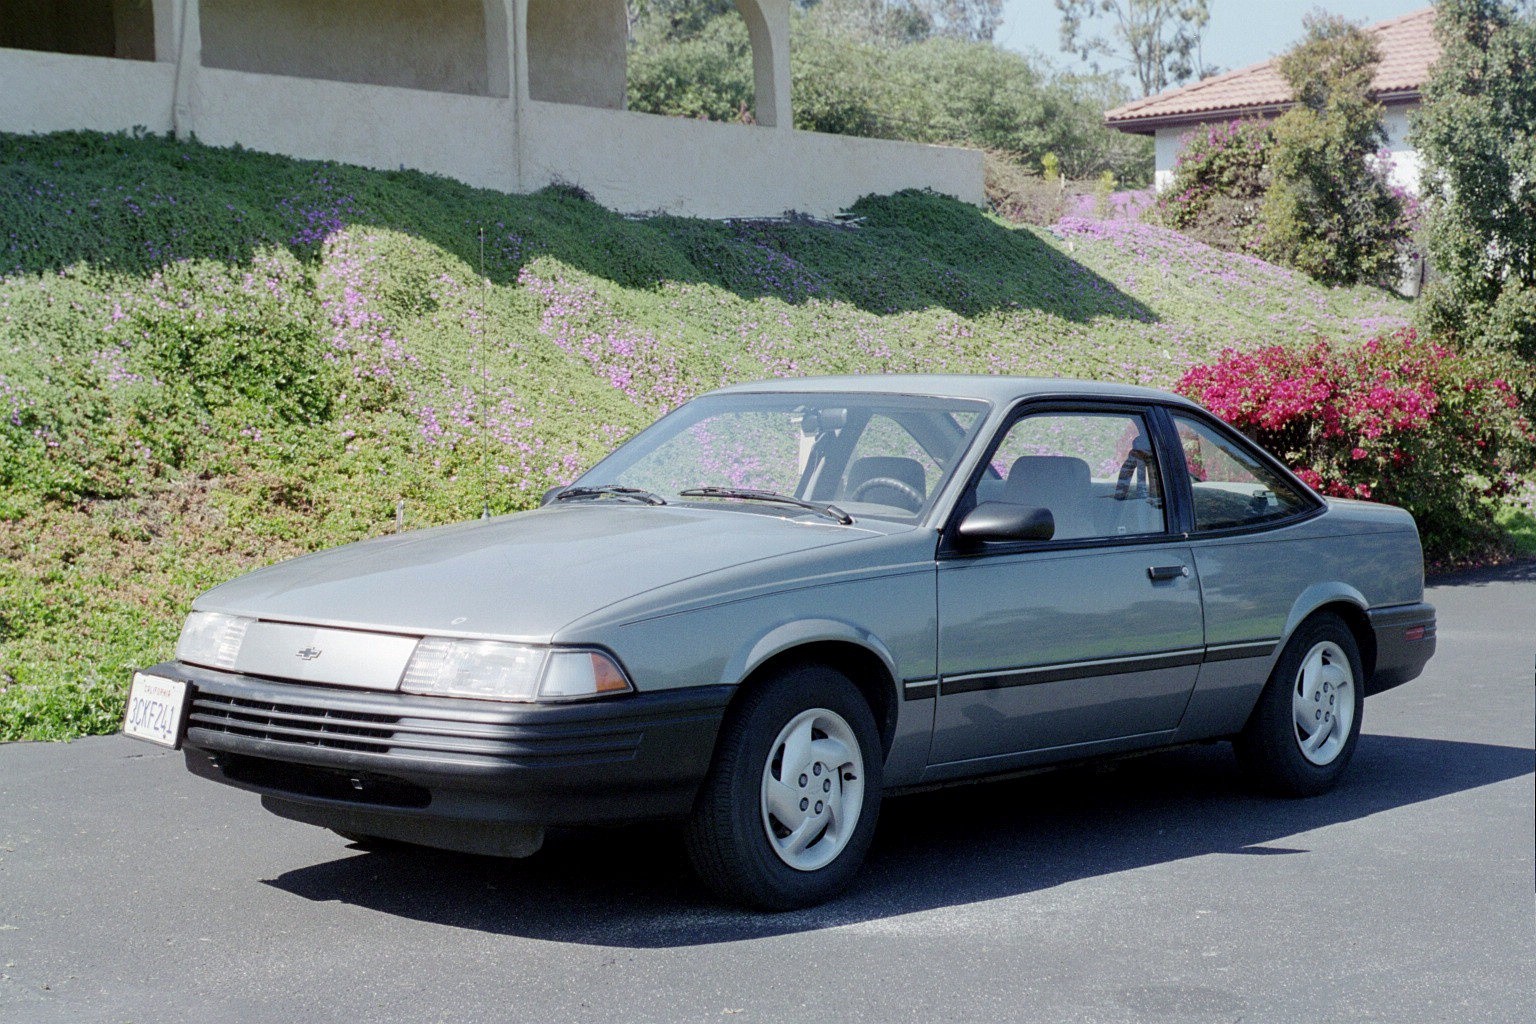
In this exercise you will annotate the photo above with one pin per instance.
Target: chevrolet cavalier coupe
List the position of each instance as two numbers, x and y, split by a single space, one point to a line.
787 599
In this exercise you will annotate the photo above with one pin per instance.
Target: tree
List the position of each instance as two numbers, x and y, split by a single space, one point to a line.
1158 39
897 22
675 19
1476 135
970 20
1330 211
883 22
707 74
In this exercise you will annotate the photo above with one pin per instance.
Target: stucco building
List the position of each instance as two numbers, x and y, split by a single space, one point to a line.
505 94
1408 50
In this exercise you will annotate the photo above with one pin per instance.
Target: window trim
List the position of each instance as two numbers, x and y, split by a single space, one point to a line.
1313 504
951 548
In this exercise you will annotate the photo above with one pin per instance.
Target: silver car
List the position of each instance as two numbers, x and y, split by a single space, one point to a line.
786 600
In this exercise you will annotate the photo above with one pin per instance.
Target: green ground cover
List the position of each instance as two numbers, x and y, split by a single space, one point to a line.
214 359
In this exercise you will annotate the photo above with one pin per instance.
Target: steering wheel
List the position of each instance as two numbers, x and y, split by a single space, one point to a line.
906 489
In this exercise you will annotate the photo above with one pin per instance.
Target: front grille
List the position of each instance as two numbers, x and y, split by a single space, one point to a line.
427 730
293 723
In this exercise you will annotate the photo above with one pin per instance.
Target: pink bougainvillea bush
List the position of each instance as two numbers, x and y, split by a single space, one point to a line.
1397 419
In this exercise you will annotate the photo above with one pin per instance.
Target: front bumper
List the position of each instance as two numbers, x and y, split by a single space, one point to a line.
344 757
1405 641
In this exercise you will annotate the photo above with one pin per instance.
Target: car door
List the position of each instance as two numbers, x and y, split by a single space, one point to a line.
1254 558
1094 635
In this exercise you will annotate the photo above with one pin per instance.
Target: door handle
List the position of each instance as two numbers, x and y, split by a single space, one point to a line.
1162 573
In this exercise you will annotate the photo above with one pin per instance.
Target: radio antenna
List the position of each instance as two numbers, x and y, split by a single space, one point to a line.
480 385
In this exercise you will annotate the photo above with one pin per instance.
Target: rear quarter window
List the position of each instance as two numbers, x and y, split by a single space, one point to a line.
1231 486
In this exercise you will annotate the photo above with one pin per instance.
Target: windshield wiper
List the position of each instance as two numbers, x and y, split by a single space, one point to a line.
599 490
745 494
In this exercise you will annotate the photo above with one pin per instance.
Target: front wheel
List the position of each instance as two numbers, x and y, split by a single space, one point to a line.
1303 732
788 809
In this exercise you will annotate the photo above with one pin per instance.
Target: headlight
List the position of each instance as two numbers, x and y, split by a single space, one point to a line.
211 639
491 670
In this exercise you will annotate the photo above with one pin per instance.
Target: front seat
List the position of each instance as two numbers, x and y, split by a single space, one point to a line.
908 471
1057 482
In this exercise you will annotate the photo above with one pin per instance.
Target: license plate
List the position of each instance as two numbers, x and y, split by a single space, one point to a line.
155 709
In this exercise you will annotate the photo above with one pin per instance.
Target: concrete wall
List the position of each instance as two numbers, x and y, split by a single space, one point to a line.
465 137
1168 143
631 162
641 163
1404 169
578 52
435 45
50 92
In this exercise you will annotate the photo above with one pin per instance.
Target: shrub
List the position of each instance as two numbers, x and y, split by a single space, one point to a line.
1022 197
1219 184
707 76
1330 211
1397 419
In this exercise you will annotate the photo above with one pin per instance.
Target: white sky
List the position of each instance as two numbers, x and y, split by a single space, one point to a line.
1241 32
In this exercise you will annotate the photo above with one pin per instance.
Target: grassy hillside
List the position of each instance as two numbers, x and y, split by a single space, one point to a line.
210 360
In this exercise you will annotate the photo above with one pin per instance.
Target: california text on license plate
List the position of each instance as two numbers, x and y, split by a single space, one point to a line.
155 709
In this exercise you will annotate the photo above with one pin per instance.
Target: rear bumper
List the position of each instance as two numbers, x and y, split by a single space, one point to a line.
1405 641
342 757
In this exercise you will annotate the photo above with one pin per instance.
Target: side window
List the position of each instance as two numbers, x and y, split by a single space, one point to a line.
1094 471
1232 487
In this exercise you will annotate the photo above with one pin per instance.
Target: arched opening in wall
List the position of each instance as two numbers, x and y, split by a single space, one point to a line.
87 28
709 59
437 45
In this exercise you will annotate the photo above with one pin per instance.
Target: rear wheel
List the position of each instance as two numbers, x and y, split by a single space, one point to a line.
788 809
1303 732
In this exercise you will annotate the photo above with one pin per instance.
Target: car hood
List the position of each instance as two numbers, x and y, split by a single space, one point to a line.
523 576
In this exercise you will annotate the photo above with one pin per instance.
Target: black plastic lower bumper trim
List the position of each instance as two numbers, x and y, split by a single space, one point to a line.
627 758
1405 641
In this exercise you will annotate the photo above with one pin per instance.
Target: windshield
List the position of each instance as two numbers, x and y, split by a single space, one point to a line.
884 456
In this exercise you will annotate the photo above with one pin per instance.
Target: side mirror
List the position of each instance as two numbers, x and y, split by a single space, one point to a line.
549 495
1003 520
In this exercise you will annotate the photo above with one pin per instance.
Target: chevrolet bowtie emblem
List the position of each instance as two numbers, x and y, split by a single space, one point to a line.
310 653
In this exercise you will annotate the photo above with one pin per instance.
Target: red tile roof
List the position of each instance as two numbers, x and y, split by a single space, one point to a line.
1408 48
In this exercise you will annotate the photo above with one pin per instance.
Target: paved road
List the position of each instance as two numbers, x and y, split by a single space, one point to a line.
1157 891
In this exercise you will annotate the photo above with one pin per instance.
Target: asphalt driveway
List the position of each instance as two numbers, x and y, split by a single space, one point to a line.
1156 890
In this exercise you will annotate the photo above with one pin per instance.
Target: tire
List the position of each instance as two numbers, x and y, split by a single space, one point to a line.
767 835
1300 737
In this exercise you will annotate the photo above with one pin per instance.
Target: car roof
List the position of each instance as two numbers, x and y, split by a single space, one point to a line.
996 389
